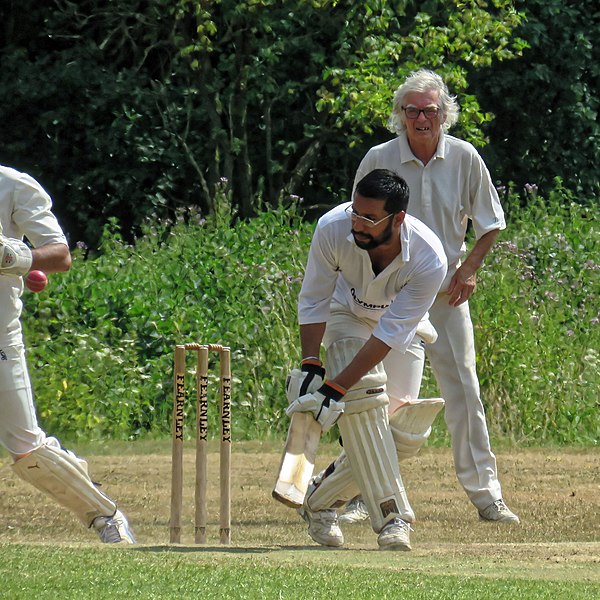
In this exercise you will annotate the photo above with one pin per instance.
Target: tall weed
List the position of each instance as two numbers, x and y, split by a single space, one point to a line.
101 337
537 322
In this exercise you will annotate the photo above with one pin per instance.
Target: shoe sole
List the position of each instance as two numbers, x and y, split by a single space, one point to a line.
398 546
337 544
508 520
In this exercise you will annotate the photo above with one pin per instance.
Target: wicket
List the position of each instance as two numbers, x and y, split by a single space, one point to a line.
201 441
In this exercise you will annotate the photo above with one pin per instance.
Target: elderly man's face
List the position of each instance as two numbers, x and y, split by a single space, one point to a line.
424 126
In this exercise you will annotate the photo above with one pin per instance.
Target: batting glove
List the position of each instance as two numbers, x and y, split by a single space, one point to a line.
324 404
15 257
306 380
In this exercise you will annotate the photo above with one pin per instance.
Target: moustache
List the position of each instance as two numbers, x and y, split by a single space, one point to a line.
361 234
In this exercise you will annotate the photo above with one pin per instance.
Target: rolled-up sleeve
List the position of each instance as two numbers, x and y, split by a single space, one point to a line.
485 210
319 281
32 214
398 325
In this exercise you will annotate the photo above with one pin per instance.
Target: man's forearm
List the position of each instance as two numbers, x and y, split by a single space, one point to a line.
311 336
52 258
481 249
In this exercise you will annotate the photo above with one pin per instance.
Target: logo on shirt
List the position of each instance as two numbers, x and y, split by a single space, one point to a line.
366 305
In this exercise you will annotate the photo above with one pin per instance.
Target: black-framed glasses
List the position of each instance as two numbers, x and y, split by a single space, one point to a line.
369 222
430 112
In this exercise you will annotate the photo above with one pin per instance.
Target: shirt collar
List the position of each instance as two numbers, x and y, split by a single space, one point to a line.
406 154
405 241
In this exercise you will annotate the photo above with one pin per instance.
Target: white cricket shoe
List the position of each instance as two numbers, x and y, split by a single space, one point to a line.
499 512
355 511
323 527
114 530
395 535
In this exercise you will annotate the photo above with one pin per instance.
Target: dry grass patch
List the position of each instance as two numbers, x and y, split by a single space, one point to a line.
554 491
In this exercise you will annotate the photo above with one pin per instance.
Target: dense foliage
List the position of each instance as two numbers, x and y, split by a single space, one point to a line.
545 104
127 109
101 337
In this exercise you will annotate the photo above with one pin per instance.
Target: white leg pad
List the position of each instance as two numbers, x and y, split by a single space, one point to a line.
64 477
369 391
372 462
341 486
411 425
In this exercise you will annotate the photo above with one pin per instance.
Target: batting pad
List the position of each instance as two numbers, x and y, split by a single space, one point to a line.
411 425
64 477
369 391
373 465
340 487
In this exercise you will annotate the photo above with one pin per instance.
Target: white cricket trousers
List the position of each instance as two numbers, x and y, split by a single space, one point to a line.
19 429
452 359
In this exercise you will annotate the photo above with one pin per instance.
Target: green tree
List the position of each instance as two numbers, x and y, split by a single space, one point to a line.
139 109
545 104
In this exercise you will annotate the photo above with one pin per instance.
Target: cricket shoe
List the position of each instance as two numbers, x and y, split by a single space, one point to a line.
323 526
114 530
355 511
395 535
499 512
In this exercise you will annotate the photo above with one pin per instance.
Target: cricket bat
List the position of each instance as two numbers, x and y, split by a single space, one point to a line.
298 460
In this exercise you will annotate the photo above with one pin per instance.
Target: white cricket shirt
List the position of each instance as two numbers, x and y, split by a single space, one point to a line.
25 211
453 187
396 299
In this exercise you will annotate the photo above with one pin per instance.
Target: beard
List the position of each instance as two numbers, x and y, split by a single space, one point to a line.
369 242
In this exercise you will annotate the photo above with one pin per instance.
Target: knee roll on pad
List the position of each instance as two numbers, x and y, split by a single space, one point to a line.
369 392
411 425
333 486
64 477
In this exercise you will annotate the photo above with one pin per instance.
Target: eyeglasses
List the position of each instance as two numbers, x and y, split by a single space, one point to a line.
412 112
369 222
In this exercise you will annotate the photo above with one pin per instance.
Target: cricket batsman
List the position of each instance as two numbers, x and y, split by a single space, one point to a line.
372 274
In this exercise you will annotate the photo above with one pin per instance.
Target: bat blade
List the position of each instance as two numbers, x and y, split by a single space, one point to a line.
298 460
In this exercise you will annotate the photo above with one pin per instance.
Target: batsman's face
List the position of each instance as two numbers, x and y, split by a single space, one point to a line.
365 212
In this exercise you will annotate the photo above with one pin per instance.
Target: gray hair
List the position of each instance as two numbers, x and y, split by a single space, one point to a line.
423 81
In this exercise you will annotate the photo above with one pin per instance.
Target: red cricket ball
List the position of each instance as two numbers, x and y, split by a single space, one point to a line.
36 281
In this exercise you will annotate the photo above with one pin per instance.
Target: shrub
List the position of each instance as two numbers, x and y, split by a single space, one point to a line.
537 318
101 338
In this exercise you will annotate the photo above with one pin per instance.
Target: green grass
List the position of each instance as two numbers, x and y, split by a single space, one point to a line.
61 572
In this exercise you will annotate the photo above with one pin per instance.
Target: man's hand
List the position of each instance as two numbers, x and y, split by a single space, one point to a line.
306 380
462 285
324 404
15 257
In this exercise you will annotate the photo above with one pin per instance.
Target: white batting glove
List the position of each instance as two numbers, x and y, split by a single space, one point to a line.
306 380
324 404
15 257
